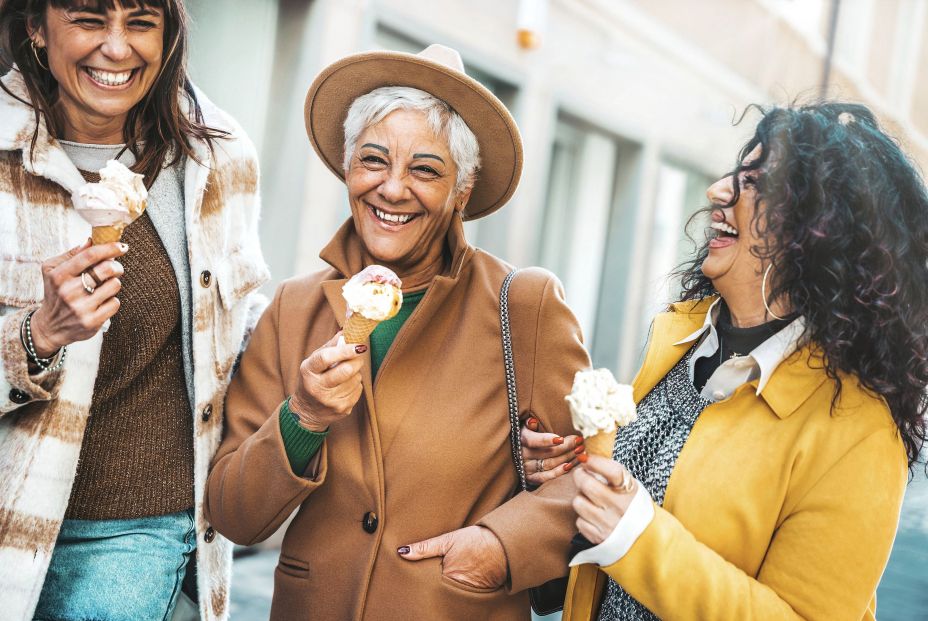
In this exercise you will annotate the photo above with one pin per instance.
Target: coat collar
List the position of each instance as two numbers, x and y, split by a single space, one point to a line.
343 253
790 385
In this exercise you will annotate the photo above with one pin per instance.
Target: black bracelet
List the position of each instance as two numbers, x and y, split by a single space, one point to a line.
25 335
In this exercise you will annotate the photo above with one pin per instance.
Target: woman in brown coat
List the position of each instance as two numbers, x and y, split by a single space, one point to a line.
396 454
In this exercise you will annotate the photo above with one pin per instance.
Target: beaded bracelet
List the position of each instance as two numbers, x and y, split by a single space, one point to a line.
25 335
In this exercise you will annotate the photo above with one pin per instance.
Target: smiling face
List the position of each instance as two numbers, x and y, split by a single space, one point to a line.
730 265
401 183
104 62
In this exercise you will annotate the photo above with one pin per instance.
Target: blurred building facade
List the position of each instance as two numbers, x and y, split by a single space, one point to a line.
626 110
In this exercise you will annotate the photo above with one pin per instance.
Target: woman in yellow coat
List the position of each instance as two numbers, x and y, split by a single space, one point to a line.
780 403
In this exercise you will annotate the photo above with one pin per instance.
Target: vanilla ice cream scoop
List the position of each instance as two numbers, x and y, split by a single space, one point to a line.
599 404
113 203
374 293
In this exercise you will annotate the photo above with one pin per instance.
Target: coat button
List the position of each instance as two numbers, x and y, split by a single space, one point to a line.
207 412
370 522
718 395
209 535
18 396
205 278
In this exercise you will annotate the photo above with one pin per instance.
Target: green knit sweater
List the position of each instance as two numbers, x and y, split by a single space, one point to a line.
302 444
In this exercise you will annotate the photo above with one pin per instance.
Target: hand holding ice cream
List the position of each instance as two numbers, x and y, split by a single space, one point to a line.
373 295
113 203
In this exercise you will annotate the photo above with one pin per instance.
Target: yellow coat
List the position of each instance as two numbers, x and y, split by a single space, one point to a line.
778 508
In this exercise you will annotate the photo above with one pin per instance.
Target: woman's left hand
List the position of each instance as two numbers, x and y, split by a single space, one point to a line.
600 506
472 556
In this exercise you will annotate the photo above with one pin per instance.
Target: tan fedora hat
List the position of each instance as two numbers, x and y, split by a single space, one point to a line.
439 71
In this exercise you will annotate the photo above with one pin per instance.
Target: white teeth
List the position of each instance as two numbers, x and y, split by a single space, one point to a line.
724 227
110 78
396 219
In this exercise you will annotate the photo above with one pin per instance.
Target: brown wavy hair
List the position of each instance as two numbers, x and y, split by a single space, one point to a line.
846 225
158 121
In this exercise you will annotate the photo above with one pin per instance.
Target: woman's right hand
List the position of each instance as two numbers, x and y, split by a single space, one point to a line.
547 455
330 384
68 312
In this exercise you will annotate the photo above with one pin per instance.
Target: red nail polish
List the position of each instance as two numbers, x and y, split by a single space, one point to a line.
567 467
582 457
579 449
557 440
532 422
360 349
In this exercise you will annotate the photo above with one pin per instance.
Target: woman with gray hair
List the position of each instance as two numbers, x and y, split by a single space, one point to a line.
396 453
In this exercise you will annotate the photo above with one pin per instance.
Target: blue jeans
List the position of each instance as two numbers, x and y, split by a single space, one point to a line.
117 570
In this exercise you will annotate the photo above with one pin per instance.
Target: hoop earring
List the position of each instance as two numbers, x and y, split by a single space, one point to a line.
35 52
763 293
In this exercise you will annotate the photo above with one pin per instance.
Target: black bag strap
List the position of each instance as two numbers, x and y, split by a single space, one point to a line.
515 438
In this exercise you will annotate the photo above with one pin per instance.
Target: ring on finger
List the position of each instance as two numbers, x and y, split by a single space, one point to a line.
627 484
88 287
540 465
94 276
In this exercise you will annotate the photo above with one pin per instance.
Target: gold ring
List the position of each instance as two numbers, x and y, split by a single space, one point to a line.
89 288
627 484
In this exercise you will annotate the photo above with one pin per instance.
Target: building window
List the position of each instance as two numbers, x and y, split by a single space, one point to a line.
587 229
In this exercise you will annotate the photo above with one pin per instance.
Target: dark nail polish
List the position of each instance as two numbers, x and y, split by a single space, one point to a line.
558 440
360 349
403 550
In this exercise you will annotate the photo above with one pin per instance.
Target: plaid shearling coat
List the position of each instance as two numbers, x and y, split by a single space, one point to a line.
42 419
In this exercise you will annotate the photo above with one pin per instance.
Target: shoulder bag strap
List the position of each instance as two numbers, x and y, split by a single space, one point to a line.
515 438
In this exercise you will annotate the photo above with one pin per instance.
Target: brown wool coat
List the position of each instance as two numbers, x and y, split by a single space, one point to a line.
426 448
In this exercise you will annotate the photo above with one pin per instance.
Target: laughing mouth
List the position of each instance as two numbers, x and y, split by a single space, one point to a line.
723 229
110 78
392 218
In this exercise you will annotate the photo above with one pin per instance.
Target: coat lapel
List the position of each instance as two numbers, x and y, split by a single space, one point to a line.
668 328
344 254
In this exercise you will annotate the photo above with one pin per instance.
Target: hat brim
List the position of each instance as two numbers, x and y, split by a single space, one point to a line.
335 89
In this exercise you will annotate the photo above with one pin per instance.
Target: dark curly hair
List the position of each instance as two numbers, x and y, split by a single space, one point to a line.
158 121
845 224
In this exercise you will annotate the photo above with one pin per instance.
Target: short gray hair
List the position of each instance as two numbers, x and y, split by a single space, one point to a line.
374 107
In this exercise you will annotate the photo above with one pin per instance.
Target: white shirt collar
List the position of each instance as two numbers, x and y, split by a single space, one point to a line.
759 364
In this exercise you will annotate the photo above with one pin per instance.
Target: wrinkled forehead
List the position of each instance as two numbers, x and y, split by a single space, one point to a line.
102 6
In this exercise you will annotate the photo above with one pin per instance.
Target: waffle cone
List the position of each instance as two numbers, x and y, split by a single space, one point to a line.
106 234
602 444
358 328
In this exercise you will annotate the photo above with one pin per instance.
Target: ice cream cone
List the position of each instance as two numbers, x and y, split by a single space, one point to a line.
106 234
602 444
358 328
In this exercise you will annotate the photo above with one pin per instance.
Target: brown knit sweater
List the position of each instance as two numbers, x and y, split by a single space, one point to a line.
137 456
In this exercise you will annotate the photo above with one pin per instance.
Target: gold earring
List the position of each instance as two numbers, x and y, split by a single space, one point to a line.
35 52
763 293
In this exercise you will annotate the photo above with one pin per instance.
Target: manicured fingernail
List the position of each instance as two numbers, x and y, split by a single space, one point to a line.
579 449
567 467
579 440
557 440
582 457
403 550
360 349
